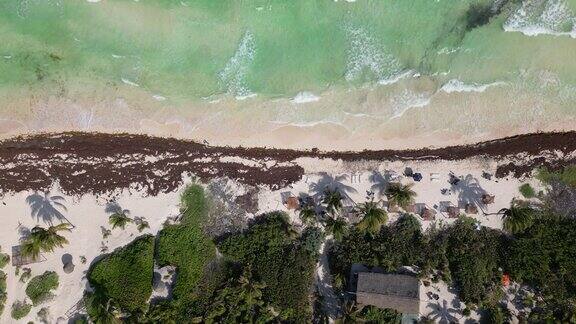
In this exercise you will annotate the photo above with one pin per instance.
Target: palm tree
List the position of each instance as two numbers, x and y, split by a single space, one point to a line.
45 207
400 195
119 220
337 227
517 218
307 215
119 217
251 291
141 223
373 217
333 200
44 240
350 313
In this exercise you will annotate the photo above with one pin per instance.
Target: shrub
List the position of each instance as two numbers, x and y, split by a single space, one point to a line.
20 309
527 191
2 291
566 176
185 246
39 288
125 275
4 260
278 260
312 239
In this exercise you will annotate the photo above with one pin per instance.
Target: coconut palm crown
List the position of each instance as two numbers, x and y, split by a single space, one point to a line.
373 217
119 217
518 217
44 240
119 220
333 200
400 195
307 215
337 227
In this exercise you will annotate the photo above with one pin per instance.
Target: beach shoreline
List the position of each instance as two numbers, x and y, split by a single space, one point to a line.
99 162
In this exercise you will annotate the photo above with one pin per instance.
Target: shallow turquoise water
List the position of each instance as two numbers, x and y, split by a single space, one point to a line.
195 49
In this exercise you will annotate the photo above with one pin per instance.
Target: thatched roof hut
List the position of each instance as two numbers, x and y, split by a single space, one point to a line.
292 203
487 199
395 291
428 214
471 209
453 211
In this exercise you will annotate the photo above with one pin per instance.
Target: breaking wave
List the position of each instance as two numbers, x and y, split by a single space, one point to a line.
366 54
233 76
456 85
535 17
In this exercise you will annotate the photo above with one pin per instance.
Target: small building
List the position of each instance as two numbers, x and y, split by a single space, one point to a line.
396 291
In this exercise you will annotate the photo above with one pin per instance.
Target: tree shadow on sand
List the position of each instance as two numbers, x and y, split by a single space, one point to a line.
380 181
115 208
45 207
328 182
469 191
443 314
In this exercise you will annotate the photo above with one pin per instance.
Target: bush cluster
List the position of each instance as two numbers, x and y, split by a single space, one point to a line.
39 288
125 276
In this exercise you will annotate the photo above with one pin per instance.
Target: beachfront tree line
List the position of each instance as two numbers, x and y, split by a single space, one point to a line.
265 272
536 248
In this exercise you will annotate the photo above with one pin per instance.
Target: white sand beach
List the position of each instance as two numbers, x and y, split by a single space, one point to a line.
88 215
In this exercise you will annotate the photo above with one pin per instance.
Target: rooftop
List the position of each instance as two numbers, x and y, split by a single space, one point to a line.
395 291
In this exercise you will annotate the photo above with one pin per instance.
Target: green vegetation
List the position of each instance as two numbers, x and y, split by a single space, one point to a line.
39 288
544 256
2 291
400 195
4 260
44 240
373 217
20 309
527 191
468 256
185 246
566 176
277 258
125 276
239 301
518 217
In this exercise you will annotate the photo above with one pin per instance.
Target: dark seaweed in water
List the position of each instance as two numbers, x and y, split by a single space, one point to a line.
479 15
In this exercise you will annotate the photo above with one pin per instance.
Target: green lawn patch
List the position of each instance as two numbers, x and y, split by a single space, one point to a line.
39 288
185 246
125 275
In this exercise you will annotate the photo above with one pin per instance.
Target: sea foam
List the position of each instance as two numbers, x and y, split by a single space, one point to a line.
408 100
536 17
456 85
233 75
304 97
365 53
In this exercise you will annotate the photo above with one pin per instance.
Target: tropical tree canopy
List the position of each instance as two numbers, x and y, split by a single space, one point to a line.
373 217
333 200
400 195
518 217
336 227
307 215
44 240
119 220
